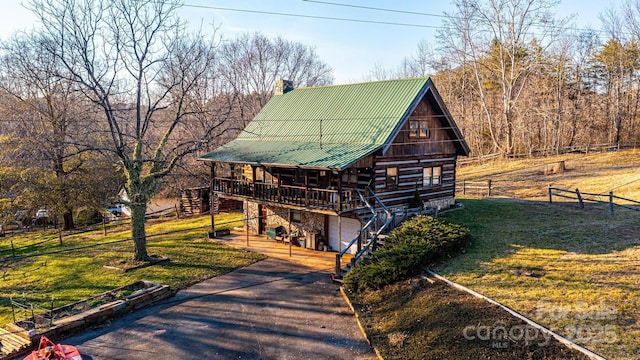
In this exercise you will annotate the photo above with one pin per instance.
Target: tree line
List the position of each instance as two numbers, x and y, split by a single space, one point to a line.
110 94
521 81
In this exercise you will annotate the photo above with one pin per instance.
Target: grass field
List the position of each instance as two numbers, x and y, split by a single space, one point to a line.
71 275
596 173
573 270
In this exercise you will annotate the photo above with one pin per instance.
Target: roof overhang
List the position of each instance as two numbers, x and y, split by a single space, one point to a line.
304 155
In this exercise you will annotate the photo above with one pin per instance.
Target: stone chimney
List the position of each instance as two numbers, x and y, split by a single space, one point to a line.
282 87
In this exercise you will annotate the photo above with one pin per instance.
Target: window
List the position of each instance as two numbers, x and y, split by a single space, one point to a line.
392 176
296 216
432 176
350 176
419 129
259 174
437 176
237 171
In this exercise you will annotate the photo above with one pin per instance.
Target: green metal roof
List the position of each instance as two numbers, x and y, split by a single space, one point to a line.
302 154
328 126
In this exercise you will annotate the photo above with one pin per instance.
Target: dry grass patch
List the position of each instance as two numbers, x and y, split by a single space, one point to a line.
596 173
417 319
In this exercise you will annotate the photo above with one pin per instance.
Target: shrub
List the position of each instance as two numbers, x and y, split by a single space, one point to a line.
419 242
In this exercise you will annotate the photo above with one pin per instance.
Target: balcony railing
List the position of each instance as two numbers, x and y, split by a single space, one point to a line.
290 195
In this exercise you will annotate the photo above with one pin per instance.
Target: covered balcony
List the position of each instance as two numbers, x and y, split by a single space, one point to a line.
320 190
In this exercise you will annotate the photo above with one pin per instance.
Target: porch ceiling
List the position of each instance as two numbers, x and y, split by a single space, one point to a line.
291 154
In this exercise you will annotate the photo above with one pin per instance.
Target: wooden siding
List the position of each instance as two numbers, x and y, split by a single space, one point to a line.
438 142
410 177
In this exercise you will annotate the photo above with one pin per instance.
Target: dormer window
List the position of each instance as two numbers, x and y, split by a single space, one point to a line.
419 129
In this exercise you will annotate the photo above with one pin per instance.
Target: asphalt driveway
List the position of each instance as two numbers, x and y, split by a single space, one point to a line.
273 309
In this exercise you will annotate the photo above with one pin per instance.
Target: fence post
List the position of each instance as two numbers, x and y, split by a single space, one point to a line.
51 313
104 225
611 202
464 187
550 194
13 309
13 249
489 188
579 198
33 316
60 236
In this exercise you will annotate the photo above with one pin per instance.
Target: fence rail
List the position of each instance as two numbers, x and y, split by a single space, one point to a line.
583 197
483 188
585 149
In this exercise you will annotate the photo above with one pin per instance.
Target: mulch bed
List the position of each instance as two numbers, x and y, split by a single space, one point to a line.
418 319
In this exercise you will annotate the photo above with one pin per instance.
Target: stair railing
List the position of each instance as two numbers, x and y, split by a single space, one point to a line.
372 242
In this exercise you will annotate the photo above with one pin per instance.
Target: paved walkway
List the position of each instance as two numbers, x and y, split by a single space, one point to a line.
273 309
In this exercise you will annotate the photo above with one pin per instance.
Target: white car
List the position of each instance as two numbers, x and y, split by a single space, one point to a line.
42 213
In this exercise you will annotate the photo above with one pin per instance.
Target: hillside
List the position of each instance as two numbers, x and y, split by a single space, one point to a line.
617 171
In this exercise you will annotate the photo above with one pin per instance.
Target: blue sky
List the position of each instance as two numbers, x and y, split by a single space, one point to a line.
352 49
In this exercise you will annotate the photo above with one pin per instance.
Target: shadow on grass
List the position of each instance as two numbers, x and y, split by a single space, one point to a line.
500 226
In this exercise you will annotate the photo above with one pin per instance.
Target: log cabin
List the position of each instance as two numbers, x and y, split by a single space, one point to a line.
335 163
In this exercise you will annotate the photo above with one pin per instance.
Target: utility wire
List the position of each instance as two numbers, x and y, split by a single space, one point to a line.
311 16
437 27
377 9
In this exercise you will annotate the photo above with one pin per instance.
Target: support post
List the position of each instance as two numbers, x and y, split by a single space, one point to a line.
464 187
550 194
246 220
489 188
104 226
60 236
340 212
306 188
579 198
290 236
611 202
212 233
13 249
339 233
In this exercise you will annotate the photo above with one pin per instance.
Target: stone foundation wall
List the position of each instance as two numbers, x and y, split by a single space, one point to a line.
251 210
279 216
440 203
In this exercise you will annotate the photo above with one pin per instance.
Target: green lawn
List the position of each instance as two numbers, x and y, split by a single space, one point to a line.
572 270
76 274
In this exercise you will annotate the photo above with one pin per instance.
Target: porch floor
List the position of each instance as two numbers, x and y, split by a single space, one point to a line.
320 260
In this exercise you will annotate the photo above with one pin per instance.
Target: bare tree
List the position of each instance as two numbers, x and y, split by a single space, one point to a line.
53 126
133 60
251 63
504 41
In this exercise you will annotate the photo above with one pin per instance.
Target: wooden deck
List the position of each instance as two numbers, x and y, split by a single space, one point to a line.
319 260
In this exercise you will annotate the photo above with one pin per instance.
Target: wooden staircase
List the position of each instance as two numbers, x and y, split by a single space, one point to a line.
377 221
14 340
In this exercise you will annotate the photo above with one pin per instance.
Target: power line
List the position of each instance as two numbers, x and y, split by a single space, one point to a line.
445 28
417 13
377 9
311 16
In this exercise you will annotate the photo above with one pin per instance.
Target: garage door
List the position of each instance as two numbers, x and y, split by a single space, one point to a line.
350 230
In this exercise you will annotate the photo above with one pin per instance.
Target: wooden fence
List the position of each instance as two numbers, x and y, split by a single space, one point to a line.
483 188
583 197
587 149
